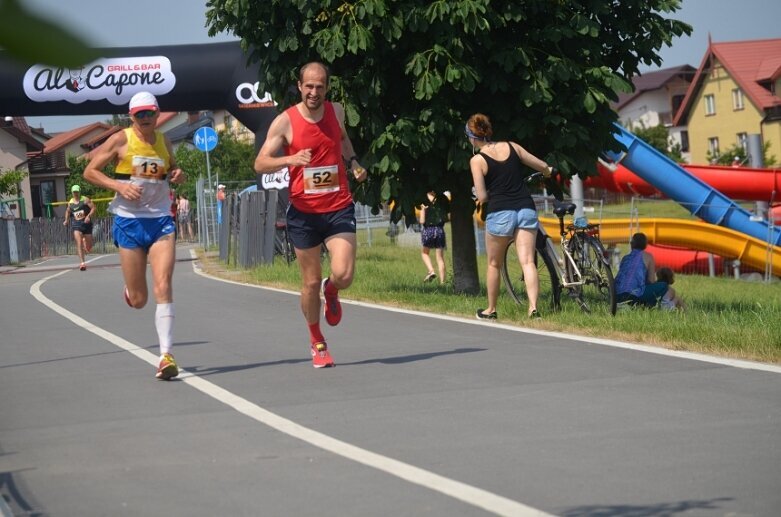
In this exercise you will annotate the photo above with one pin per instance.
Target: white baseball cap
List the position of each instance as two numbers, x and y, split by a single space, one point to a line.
143 101
220 186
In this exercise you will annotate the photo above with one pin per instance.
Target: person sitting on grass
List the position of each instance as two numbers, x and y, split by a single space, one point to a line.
671 300
636 281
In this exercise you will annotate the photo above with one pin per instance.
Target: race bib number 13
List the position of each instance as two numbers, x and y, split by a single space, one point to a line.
318 180
146 167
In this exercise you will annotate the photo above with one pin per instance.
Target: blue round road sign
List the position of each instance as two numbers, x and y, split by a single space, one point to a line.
205 139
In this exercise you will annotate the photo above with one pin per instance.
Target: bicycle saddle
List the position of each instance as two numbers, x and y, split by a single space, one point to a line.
564 208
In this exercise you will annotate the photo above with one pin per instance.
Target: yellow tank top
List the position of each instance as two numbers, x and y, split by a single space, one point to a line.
143 160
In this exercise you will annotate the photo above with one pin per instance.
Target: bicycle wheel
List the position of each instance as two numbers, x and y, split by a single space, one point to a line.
598 291
282 245
512 275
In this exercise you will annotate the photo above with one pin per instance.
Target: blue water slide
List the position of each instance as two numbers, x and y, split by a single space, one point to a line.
692 193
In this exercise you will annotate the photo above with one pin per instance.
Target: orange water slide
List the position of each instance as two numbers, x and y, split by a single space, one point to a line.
687 234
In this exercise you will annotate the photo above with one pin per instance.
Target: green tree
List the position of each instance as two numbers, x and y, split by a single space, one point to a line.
30 39
9 182
76 165
410 73
232 160
737 151
658 137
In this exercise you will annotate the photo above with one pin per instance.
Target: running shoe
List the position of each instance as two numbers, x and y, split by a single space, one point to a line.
321 358
430 276
83 267
483 316
126 294
167 368
332 308
535 314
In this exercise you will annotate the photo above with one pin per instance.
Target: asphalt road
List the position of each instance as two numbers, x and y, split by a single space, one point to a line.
423 415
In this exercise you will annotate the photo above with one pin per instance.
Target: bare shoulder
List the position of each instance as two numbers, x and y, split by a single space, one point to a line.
116 140
338 111
280 125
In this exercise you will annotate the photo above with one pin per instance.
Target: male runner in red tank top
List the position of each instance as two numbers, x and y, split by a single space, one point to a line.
312 137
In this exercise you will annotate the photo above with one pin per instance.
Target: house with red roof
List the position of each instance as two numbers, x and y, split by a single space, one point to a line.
49 166
655 100
735 92
16 141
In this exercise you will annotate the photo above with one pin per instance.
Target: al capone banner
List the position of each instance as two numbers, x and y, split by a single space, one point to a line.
182 77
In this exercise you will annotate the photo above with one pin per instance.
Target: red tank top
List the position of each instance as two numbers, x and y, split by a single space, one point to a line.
322 185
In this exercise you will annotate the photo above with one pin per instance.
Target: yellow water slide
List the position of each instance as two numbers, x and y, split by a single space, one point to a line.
689 234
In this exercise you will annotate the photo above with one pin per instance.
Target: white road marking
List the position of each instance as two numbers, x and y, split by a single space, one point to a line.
461 491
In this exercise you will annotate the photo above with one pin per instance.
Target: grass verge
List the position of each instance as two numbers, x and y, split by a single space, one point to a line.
724 316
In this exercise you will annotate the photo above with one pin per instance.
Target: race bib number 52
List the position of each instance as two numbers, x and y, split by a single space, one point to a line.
146 167
318 180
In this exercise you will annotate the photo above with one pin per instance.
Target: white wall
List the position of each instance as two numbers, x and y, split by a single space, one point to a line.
12 154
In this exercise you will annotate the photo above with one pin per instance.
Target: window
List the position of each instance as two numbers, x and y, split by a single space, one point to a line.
743 141
713 146
684 141
737 99
710 104
47 194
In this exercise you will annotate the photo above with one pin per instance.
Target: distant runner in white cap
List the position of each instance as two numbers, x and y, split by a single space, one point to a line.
143 226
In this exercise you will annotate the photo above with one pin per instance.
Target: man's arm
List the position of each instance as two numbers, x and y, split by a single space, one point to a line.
348 152
279 135
176 174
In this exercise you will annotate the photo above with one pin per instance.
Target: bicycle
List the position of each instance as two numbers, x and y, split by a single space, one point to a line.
582 269
284 247
282 244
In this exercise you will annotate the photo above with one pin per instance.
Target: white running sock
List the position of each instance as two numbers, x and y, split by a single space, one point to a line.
164 322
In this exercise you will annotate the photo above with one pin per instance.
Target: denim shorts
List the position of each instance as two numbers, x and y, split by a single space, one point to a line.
131 232
504 222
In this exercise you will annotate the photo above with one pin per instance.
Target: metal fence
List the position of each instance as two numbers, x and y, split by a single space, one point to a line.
246 233
23 241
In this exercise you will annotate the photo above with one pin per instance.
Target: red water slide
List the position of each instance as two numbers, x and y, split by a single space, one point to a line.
743 183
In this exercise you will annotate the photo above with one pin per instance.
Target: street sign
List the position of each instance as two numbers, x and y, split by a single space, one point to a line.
205 139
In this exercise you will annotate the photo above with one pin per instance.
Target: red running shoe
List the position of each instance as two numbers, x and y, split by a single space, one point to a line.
332 308
83 267
321 358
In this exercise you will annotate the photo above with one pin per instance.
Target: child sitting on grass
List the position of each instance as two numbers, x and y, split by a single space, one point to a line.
670 300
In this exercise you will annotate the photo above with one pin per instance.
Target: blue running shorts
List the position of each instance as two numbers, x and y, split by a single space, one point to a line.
131 232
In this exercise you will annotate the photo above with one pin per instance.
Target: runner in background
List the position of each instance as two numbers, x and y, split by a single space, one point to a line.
79 213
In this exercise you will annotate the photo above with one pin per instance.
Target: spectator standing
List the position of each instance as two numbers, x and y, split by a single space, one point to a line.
432 236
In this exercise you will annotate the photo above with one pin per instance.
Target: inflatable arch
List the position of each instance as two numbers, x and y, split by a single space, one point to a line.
183 77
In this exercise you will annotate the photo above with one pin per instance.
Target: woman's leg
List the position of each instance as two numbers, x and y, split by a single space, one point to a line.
524 244
440 252
495 247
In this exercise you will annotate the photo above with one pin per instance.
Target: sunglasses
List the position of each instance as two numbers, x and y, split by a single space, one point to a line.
145 114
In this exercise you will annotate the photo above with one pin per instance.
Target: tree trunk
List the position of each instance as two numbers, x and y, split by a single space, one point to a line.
465 277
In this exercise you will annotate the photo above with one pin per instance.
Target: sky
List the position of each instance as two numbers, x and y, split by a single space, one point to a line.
113 23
